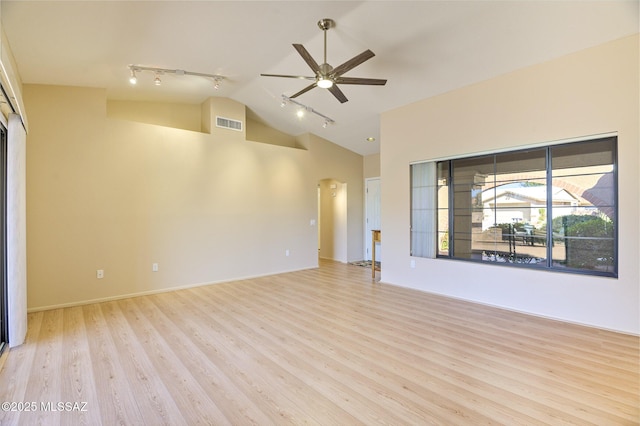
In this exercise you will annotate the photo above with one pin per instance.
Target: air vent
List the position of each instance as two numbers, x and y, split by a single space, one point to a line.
228 123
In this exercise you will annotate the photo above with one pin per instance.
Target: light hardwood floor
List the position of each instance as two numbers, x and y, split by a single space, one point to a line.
326 346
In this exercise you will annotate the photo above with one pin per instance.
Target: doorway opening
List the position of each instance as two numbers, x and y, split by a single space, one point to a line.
332 220
372 216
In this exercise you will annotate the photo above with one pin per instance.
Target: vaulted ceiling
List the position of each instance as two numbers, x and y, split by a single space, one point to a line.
423 48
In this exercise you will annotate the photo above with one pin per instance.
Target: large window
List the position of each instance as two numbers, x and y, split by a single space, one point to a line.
552 207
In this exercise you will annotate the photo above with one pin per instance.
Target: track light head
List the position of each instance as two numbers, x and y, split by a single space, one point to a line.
302 109
157 80
133 79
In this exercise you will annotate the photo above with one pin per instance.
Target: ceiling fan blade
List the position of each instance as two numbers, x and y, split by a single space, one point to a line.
355 80
307 57
335 90
305 90
352 63
301 77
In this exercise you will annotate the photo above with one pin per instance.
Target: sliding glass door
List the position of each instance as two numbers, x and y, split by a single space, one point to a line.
4 326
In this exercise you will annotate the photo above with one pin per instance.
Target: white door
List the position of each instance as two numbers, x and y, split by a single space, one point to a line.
372 215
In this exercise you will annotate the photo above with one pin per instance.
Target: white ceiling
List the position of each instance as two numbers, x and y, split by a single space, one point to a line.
423 48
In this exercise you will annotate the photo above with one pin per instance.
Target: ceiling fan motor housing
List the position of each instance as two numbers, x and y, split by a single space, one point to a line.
326 23
325 69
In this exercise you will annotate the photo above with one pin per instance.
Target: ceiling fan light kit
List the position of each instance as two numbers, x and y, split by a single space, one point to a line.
326 76
325 83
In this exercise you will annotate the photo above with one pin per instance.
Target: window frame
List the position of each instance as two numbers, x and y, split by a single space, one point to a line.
549 264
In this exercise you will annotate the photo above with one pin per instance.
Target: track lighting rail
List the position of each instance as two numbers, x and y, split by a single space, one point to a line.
217 79
327 120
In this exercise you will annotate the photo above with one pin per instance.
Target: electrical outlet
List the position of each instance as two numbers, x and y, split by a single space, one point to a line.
100 274
154 267
412 263
286 252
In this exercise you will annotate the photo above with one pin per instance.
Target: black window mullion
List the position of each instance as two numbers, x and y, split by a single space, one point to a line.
495 178
549 212
451 211
616 223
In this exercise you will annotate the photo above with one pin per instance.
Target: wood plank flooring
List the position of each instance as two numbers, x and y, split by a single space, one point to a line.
326 346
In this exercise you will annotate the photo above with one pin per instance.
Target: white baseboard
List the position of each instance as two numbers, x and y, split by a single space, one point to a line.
157 291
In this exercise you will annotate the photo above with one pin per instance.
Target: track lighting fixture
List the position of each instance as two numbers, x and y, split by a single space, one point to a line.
302 108
133 79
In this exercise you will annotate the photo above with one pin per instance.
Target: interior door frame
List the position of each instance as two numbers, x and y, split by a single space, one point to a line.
367 214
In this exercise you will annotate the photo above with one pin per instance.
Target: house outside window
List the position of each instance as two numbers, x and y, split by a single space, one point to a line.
552 207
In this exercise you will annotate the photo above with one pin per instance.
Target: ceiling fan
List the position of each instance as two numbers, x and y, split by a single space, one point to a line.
326 76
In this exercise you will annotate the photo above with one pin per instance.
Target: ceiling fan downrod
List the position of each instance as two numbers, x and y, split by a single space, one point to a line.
324 25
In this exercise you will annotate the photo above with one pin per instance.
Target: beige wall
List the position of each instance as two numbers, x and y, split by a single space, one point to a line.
372 166
591 92
259 132
179 116
200 118
120 195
